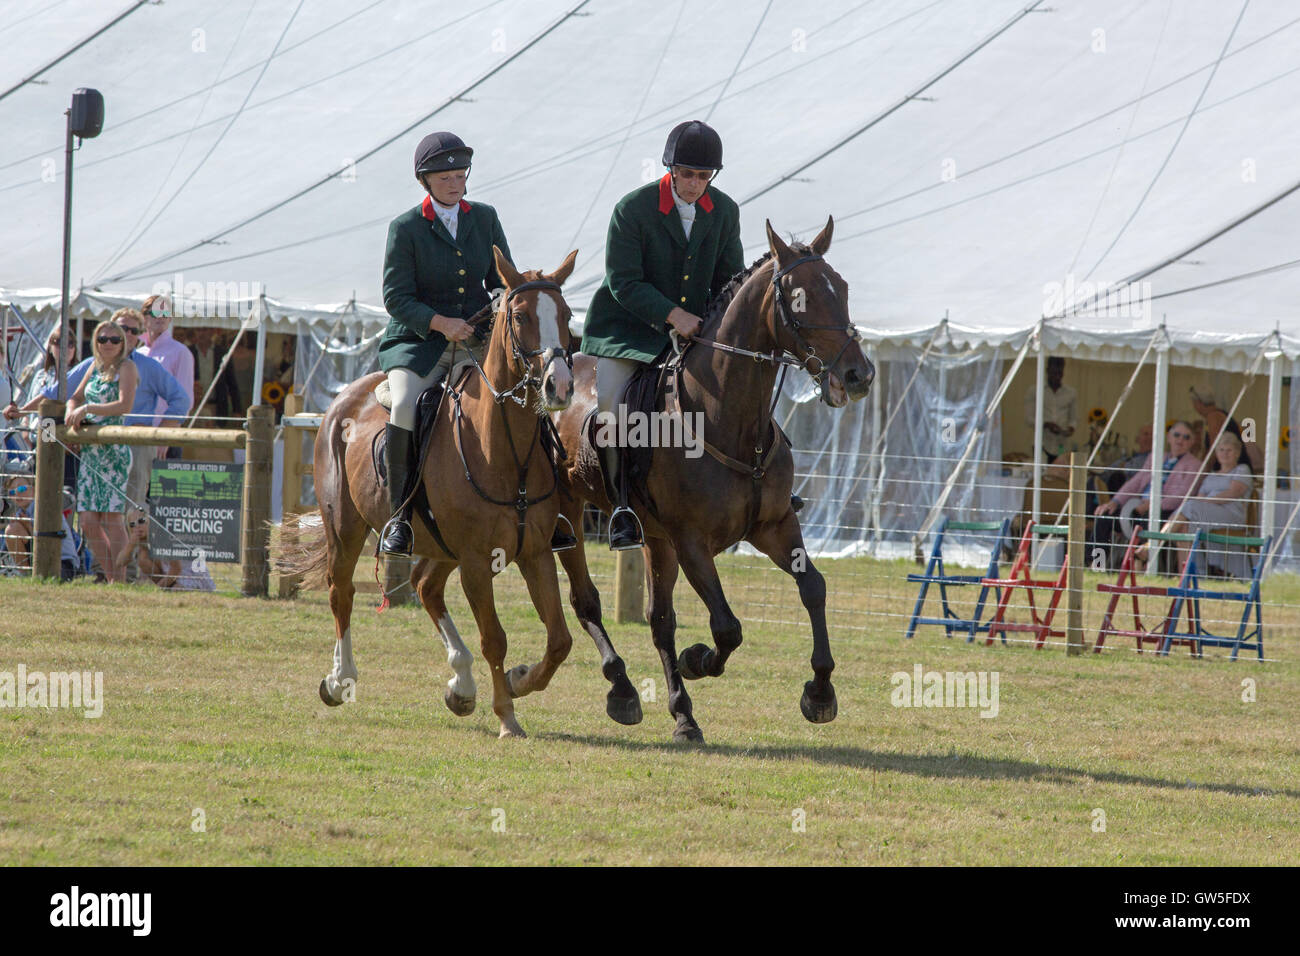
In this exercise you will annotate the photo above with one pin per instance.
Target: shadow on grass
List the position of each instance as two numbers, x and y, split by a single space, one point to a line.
924 765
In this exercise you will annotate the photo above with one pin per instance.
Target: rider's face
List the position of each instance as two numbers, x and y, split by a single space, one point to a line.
447 188
691 183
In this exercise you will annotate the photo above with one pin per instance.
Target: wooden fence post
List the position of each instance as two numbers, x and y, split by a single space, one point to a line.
255 535
629 587
47 530
1074 555
291 492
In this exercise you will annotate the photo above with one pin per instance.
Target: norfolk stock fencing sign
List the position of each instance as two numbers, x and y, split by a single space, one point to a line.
196 509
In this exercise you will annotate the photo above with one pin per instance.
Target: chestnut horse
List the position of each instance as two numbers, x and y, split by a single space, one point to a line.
490 486
789 303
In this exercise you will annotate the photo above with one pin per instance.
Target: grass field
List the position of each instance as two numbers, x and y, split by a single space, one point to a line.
213 747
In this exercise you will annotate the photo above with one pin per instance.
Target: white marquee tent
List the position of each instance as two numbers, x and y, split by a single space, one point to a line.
977 155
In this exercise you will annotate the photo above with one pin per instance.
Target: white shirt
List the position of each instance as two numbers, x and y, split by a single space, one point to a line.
1058 407
686 210
449 215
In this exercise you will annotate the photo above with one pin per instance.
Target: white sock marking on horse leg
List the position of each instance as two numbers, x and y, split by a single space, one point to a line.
459 657
345 668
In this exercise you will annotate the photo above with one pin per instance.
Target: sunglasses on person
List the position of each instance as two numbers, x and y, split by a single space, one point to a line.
1183 435
129 329
703 175
19 490
109 339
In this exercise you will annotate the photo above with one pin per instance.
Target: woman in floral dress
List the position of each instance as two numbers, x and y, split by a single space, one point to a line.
105 394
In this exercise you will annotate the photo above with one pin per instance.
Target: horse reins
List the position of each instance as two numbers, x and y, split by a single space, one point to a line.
757 470
521 502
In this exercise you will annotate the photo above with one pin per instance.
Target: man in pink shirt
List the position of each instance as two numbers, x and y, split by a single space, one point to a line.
159 345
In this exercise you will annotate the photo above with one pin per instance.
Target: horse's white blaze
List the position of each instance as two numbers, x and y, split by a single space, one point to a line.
829 287
556 372
345 668
459 657
548 322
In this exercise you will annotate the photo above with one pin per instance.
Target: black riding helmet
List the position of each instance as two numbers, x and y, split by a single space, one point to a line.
439 152
695 144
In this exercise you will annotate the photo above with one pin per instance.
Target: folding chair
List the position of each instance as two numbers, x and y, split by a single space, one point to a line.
1126 585
935 574
1190 591
1020 577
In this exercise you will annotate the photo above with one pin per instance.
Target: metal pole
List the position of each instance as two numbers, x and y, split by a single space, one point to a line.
62 393
258 362
1158 411
1272 431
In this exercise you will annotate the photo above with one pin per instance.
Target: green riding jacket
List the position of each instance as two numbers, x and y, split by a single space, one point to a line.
650 268
426 271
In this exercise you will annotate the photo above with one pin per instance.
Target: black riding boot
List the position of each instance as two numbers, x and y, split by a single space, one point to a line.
399 454
561 540
624 528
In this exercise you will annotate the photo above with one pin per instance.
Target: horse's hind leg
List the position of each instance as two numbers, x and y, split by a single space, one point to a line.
783 542
476 581
430 582
622 703
698 660
544 588
661 560
345 536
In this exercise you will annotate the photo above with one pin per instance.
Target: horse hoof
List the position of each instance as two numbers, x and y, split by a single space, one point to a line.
515 674
458 705
815 710
623 710
325 696
511 731
688 735
691 662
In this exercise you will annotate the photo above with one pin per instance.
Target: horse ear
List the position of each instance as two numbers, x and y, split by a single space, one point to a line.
506 270
780 251
565 270
823 240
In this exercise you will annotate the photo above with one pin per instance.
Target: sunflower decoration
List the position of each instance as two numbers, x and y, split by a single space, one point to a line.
273 393
1286 436
1098 414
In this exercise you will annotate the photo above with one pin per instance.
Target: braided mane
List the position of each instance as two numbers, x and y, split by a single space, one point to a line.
718 304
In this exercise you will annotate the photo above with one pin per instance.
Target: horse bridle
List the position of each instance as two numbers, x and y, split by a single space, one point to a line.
792 325
522 356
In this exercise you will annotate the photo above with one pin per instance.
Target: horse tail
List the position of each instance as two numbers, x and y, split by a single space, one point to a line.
309 555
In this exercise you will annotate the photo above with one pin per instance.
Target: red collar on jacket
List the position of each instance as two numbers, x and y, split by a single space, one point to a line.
426 207
666 203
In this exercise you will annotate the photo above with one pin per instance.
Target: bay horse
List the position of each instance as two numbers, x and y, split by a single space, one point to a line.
788 303
489 484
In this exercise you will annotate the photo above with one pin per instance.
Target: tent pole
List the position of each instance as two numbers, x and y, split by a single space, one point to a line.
1271 432
262 322
1041 375
1158 412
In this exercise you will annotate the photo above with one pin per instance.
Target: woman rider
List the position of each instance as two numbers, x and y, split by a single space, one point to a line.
438 272
672 245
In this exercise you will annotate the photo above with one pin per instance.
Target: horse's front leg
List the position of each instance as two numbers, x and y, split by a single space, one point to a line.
782 541
621 703
476 582
661 560
698 660
538 570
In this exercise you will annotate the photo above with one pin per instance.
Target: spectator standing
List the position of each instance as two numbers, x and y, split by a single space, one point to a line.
1060 410
159 345
102 397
